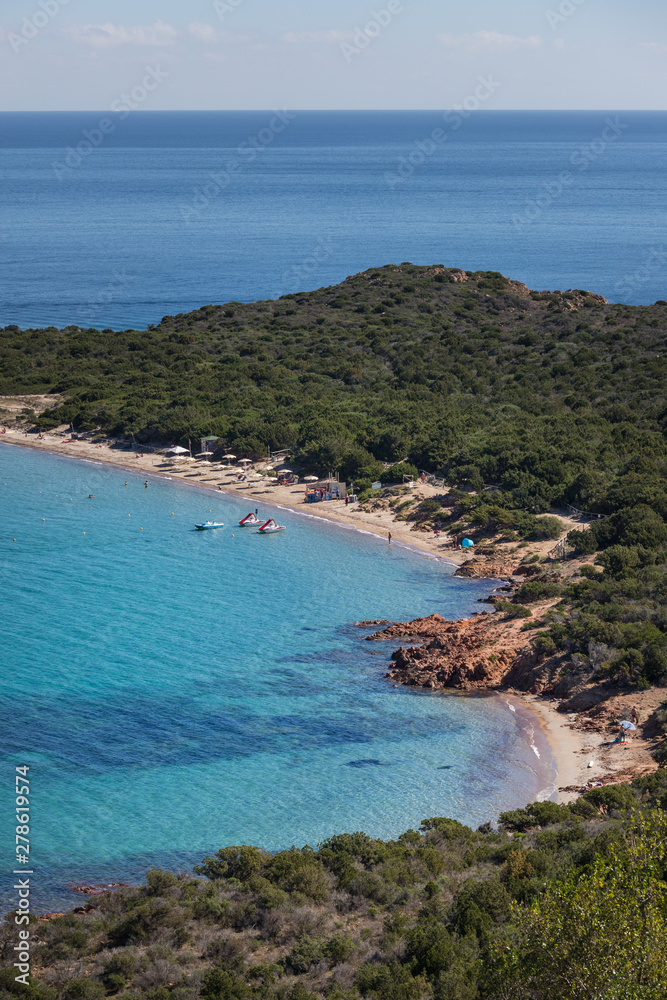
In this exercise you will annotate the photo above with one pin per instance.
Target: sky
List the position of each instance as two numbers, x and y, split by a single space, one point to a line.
320 54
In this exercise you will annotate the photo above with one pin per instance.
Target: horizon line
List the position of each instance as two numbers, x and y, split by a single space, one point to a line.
480 111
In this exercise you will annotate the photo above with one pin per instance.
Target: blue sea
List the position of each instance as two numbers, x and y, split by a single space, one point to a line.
175 691
115 220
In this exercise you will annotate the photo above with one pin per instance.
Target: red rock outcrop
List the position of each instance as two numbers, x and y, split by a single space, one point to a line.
472 654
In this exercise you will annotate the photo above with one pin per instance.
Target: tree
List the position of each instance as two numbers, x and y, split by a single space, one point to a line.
598 935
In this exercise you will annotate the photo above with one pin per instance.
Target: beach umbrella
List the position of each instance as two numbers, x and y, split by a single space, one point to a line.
286 472
204 454
245 461
627 725
177 450
229 456
311 479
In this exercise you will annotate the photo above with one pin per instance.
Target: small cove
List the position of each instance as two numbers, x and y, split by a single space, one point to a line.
174 692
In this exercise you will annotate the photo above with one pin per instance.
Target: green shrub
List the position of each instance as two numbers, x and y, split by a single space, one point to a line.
547 528
390 982
535 814
159 881
307 952
543 644
538 590
118 969
233 862
339 948
83 989
611 797
114 982
449 830
584 542
396 473
219 984
632 526
478 905
513 610
590 572
298 871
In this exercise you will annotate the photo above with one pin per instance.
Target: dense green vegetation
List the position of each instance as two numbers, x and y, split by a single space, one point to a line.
470 375
560 903
551 397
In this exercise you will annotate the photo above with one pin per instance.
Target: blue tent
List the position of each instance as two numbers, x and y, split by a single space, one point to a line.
467 543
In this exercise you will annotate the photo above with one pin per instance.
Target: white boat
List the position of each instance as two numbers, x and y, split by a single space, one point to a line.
250 521
208 525
270 527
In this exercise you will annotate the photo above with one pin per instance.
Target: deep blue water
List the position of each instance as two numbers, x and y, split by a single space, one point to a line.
175 691
174 210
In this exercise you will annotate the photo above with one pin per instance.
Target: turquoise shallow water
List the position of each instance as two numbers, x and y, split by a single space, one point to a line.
176 691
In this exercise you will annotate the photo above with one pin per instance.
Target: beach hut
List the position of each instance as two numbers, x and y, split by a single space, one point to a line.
207 444
467 543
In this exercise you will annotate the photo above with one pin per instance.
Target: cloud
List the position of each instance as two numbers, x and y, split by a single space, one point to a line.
659 48
107 36
203 32
331 37
490 41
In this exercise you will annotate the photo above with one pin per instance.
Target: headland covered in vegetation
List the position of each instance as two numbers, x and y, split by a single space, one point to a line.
520 401
543 417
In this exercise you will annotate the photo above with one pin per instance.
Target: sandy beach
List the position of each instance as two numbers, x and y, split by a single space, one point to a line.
218 478
572 748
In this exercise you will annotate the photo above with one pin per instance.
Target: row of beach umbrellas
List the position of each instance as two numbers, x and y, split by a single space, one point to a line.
178 452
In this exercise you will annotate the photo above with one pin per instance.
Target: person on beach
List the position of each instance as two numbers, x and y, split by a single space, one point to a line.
390 537
634 715
146 485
